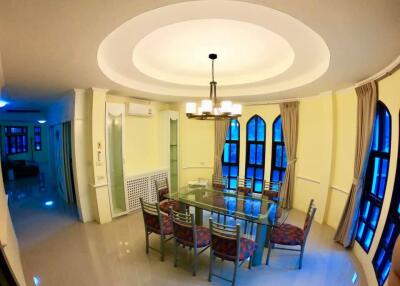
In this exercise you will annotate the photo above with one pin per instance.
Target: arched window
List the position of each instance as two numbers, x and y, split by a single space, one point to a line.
230 157
278 160
383 255
255 151
375 178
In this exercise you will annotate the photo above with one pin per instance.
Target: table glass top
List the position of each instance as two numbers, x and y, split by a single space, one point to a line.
227 202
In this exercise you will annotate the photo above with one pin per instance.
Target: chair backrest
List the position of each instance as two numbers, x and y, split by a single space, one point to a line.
272 190
219 182
184 227
225 240
162 189
244 186
152 216
309 219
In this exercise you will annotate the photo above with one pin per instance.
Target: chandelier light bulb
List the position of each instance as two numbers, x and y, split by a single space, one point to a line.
191 108
226 107
206 106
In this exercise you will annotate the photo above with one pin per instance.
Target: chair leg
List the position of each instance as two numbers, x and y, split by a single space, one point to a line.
210 265
301 257
162 247
194 265
250 261
271 245
176 254
147 242
234 274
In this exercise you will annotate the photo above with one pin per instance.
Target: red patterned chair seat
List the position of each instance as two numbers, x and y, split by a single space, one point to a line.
226 249
153 225
288 234
165 205
185 235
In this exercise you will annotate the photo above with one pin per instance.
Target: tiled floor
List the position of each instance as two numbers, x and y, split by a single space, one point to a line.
58 250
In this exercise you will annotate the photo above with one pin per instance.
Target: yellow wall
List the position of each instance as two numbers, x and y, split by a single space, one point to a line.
142 138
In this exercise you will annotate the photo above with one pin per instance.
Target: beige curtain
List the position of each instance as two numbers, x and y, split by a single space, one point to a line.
367 96
221 127
290 119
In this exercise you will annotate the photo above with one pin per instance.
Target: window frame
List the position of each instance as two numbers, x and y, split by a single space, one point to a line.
374 200
393 218
228 140
275 144
256 142
8 140
35 133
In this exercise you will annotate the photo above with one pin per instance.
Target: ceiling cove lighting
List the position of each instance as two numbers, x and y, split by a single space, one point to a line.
42 121
211 109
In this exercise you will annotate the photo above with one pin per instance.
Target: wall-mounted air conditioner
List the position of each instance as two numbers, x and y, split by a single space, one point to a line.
136 109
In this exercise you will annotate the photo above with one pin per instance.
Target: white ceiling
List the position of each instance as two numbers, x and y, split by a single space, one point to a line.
51 46
261 50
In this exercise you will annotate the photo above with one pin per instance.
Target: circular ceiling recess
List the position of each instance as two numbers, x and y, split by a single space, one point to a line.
260 50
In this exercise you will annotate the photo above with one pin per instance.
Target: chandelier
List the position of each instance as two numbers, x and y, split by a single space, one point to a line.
211 109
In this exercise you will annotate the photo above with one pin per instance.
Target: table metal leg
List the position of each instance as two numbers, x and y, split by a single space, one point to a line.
198 216
261 236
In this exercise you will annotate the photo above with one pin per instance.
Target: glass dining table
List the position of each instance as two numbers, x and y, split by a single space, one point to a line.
251 208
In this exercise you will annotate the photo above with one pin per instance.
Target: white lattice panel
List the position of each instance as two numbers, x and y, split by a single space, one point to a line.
142 186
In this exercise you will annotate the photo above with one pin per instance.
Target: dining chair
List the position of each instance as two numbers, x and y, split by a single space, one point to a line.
157 223
227 244
219 182
162 189
272 191
291 235
187 234
244 186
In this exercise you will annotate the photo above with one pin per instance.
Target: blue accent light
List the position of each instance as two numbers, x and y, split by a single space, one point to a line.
36 280
3 103
49 203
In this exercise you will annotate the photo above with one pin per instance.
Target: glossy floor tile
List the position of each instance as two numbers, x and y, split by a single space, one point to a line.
58 250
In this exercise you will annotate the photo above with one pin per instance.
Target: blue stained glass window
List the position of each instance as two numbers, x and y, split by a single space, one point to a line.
366 209
260 130
275 176
375 217
250 173
383 176
361 228
258 186
233 153
255 151
252 154
251 130
225 171
260 154
259 173
278 160
16 140
386 138
377 165
375 187
230 157
368 239
278 130
234 171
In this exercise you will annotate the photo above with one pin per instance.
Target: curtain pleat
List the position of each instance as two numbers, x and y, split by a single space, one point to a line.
367 97
221 128
290 118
